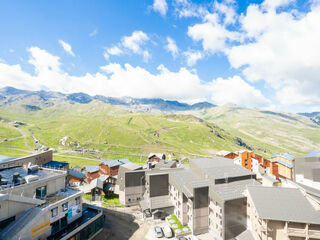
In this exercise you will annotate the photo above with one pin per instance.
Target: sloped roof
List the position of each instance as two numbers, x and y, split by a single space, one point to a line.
159 155
233 190
223 153
92 168
115 162
284 155
246 235
285 163
76 173
283 204
312 154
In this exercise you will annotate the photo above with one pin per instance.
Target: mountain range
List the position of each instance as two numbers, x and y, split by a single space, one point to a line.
96 126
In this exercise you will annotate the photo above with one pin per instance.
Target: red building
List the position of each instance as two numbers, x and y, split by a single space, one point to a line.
111 167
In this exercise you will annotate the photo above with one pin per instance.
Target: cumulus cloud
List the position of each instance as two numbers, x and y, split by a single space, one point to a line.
126 80
236 90
192 57
130 44
66 47
283 51
172 47
160 6
187 9
212 34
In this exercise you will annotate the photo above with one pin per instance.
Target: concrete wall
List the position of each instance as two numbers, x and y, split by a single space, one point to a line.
235 215
39 226
131 195
13 208
215 220
35 159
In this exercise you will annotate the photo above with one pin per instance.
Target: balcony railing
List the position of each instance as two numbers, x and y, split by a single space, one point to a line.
314 233
297 232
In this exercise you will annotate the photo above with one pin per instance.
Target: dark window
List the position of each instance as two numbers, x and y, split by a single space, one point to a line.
65 207
77 200
54 212
41 192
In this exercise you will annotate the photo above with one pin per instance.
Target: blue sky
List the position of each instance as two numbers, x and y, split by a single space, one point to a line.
260 54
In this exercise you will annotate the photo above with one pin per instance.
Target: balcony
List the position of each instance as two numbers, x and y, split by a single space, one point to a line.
314 234
297 232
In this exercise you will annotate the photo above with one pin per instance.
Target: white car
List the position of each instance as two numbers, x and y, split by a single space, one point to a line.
167 232
158 232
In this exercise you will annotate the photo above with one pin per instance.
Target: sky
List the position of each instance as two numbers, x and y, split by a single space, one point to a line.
257 54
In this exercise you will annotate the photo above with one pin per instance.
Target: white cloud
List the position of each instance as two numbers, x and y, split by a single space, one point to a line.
172 47
117 81
135 41
160 6
230 16
130 44
67 47
192 57
115 50
236 90
187 9
212 34
284 52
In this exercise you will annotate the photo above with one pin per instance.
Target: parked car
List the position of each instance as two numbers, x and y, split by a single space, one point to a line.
167 232
182 238
158 232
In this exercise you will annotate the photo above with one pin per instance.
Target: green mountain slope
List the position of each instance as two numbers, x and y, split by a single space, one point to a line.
266 131
102 130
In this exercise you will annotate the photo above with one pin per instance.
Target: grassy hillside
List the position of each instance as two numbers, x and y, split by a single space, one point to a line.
267 131
103 131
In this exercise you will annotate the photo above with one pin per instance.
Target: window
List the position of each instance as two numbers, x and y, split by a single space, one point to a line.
41 192
77 200
54 212
65 207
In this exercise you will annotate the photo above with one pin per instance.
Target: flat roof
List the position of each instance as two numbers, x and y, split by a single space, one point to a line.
8 173
246 235
283 204
4 159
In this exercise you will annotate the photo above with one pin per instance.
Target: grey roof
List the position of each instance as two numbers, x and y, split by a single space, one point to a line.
76 173
115 162
227 172
284 155
310 190
4 159
160 202
131 166
165 164
215 161
92 168
41 173
233 190
246 235
313 154
186 181
283 204
98 182
269 178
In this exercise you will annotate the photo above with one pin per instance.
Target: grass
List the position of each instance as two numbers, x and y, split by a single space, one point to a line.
112 199
87 196
176 225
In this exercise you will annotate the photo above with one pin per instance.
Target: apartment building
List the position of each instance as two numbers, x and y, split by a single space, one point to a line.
36 204
307 169
281 213
285 163
34 159
208 196
156 157
111 167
